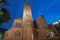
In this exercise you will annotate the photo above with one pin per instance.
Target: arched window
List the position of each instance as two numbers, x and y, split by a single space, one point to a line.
17 33
29 24
18 25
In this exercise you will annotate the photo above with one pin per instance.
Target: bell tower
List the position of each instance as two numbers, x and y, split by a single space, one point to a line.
27 15
27 22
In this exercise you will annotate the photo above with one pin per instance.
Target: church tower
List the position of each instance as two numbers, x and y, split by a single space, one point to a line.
27 22
22 28
27 15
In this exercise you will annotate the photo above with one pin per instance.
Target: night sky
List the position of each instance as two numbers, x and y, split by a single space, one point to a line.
50 9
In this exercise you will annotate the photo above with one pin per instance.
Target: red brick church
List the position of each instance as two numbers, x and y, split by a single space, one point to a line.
27 29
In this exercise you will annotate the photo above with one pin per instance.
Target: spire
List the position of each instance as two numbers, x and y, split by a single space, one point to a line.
27 3
27 11
27 21
27 14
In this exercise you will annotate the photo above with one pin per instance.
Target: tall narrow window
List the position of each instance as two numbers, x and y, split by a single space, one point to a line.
18 25
29 24
17 33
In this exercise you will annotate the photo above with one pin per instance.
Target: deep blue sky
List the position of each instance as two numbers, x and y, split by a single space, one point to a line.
50 9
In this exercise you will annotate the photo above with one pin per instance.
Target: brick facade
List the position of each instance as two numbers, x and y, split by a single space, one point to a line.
27 29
